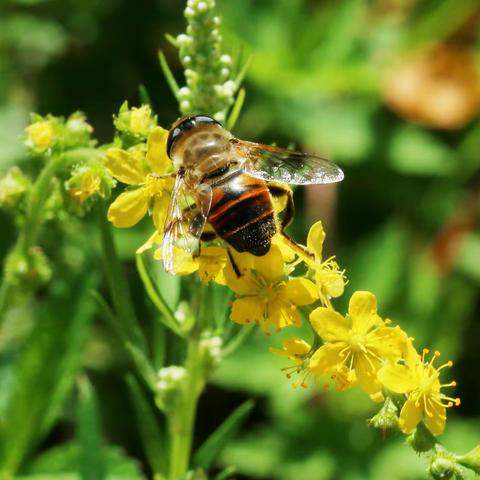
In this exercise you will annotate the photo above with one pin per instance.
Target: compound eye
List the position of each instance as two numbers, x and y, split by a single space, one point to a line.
184 125
173 136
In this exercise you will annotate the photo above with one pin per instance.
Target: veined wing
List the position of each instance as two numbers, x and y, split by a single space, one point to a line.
273 163
187 213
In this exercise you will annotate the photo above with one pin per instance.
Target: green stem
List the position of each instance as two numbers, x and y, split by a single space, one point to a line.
182 419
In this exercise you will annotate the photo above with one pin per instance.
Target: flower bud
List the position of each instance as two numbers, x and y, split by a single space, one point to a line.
28 270
89 181
443 467
41 134
13 186
211 351
170 381
471 460
421 440
136 122
386 419
76 132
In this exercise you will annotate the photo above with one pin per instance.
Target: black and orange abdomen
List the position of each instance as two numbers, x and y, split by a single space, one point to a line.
242 213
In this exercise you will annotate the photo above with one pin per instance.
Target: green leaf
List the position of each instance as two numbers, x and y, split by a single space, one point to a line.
217 441
64 462
45 370
172 83
153 442
89 434
166 314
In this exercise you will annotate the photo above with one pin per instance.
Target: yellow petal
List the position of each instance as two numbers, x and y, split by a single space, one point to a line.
299 291
410 416
389 342
270 266
362 309
128 208
330 325
316 237
397 378
160 210
246 310
155 238
436 417
124 166
157 156
327 359
365 370
281 314
211 262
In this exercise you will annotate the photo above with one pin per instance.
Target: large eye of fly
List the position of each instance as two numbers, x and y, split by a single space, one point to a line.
184 125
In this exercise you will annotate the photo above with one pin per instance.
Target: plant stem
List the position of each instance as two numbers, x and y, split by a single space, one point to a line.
182 420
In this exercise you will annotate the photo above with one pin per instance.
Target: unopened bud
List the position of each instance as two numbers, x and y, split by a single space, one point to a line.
443 467
170 381
13 186
386 419
471 460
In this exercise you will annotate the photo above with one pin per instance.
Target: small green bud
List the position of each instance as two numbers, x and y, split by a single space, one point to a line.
421 440
76 132
211 352
184 316
136 123
13 186
471 460
28 270
444 467
386 419
170 382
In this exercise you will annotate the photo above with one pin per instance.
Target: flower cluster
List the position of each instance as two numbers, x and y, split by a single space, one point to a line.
207 71
273 290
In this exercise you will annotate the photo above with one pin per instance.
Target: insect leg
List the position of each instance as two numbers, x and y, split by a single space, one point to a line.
234 265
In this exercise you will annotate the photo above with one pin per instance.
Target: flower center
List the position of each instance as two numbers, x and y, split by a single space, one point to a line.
357 342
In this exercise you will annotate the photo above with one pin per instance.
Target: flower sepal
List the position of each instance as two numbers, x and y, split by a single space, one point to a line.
471 460
422 440
386 419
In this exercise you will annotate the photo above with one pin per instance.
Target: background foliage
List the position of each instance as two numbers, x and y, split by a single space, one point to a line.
328 76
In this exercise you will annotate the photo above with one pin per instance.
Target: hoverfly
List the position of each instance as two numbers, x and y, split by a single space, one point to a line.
225 181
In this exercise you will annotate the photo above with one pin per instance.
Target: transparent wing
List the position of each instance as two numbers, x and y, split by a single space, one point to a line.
187 213
273 163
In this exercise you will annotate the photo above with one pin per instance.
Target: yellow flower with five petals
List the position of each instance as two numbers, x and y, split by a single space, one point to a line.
148 170
419 381
357 345
264 293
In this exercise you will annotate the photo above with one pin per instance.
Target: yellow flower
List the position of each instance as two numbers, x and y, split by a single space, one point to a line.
265 295
89 180
40 135
137 121
419 381
328 277
361 342
295 349
149 171
209 263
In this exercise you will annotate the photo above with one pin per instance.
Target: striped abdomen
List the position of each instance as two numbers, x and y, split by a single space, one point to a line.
242 213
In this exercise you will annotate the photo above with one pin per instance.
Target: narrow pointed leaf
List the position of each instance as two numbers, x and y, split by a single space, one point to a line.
216 442
150 433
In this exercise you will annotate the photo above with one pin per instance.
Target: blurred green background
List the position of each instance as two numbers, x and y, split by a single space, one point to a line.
389 89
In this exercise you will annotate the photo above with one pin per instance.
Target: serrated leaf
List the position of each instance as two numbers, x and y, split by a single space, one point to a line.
217 441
